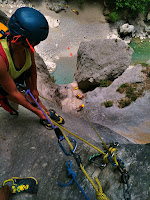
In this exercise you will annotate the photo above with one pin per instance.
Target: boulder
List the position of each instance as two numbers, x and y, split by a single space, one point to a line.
148 16
126 29
101 60
56 5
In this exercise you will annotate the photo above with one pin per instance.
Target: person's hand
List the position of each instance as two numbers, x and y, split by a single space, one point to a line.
40 114
35 93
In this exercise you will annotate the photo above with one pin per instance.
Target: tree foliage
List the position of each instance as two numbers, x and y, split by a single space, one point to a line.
140 6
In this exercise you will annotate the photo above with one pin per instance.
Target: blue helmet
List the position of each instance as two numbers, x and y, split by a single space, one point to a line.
30 24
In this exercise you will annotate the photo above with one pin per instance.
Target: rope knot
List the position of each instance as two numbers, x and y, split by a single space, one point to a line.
71 173
101 196
99 192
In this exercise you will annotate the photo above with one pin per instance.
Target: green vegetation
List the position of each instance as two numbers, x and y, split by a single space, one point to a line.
146 69
124 102
131 91
114 16
130 7
80 2
108 103
145 65
105 83
140 6
53 79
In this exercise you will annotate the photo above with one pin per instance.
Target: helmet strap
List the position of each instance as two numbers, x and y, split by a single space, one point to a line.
15 38
31 47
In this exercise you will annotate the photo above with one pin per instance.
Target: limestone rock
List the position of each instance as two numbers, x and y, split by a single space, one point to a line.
44 82
56 6
101 60
148 16
3 18
126 29
28 149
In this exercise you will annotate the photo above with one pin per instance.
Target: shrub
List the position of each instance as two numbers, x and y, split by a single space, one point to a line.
104 83
131 92
135 6
124 102
108 104
114 16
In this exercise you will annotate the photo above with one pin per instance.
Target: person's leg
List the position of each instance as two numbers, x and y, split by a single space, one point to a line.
5 192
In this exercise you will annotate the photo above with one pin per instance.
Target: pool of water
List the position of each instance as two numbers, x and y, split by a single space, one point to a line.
141 50
65 69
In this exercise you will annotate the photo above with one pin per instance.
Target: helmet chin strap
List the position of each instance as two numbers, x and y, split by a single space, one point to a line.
15 38
31 47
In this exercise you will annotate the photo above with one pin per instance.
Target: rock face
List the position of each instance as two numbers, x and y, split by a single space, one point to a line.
28 149
101 60
3 18
44 82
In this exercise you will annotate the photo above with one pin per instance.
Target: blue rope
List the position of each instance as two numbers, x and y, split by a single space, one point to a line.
74 175
114 164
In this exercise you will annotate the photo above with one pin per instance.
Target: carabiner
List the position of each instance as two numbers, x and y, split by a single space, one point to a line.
64 150
97 159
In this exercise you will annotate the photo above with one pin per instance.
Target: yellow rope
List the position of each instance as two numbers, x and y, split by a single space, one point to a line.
77 136
95 130
105 158
50 100
110 150
99 193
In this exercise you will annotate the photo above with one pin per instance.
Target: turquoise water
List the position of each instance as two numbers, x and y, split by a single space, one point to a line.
65 69
141 51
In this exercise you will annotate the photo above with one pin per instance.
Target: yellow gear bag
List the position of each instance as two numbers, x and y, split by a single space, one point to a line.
3 30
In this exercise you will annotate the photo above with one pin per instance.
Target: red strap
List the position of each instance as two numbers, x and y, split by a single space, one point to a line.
3 54
4 103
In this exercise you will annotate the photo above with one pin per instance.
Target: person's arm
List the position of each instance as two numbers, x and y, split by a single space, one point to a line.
32 82
33 75
13 94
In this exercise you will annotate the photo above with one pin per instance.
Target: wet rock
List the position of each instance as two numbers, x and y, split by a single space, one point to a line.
101 60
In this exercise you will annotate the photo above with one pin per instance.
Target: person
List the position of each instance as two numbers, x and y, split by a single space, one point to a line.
27 28
17 185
